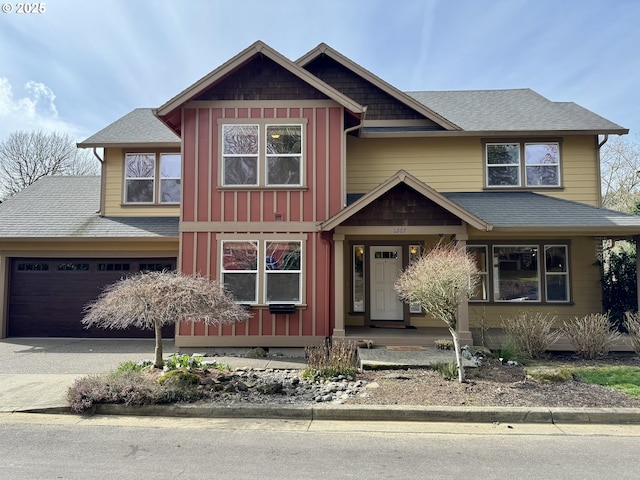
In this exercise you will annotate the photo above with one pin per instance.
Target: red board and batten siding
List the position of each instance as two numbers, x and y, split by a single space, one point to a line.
205 202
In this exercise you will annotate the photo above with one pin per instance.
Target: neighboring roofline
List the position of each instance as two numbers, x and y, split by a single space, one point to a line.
399 95
137 238
235 62
404 177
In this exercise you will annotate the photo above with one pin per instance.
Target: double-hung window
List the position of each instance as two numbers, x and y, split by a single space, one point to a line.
267 155
263 272
529 164
240 270
152 178
479 254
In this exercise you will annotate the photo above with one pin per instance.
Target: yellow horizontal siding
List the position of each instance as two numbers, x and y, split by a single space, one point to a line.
114 184
457 164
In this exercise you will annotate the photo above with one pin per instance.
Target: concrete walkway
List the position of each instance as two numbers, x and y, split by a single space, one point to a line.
35 375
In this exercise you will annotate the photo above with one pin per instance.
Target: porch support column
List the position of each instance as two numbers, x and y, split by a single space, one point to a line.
338 285
636 240
463 309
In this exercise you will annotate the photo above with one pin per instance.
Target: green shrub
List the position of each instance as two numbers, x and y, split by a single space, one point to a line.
179 378
256 353
591 335
131 366
188 362
448 371
619 281
530 333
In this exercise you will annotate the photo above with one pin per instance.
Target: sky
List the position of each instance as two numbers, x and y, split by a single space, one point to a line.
79 65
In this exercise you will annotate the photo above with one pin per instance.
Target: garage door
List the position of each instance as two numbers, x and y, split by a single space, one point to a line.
47 296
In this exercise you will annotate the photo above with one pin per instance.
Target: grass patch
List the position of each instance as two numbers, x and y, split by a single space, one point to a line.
625 379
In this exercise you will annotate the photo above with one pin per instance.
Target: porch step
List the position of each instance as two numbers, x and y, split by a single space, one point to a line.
384 358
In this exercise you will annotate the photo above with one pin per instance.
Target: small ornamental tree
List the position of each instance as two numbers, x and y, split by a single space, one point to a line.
440 281
151 300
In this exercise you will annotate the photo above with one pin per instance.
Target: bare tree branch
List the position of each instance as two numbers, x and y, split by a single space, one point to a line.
620 165
150 300
27 156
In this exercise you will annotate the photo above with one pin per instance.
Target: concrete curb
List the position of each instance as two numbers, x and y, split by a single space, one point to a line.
612 416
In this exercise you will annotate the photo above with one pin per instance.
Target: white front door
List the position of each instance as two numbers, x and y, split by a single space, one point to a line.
386 265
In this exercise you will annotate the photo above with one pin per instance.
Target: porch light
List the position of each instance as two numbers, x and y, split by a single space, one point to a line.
413 249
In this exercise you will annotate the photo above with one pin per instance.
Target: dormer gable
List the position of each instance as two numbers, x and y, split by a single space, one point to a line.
386 105
255 74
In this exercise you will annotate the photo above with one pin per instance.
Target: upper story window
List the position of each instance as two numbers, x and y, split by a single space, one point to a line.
517 164
152 178
262 155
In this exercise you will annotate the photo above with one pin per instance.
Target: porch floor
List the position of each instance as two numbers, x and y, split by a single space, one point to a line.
424 337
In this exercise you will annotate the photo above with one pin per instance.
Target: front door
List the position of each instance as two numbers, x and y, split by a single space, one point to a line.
386 265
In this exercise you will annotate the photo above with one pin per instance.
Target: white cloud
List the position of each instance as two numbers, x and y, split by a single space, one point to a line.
35 110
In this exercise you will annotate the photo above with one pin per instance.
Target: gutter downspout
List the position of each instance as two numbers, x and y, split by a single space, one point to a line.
599 173
343 172
102 182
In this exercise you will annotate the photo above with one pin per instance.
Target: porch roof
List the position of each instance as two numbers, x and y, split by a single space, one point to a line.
404 177
529 211
515 212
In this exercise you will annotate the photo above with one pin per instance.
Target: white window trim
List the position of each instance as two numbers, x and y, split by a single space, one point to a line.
291 155
526 165
161 178
522 164
488 166
558 274
256 271
268 272
157 179
240 155
496 278
153 179
483 273
493 279
262 166
261 285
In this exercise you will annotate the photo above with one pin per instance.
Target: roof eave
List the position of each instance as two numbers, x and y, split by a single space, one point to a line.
581 230
491 133
175 144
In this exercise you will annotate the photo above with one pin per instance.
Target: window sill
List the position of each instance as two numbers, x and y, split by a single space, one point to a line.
511 304
262 188
521 189
165 205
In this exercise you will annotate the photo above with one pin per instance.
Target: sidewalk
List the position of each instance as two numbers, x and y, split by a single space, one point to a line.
36 373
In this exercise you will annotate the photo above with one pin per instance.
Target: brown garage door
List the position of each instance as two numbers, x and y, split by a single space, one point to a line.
47 295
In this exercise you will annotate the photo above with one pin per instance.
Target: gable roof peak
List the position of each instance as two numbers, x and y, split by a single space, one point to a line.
324 49
259 47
